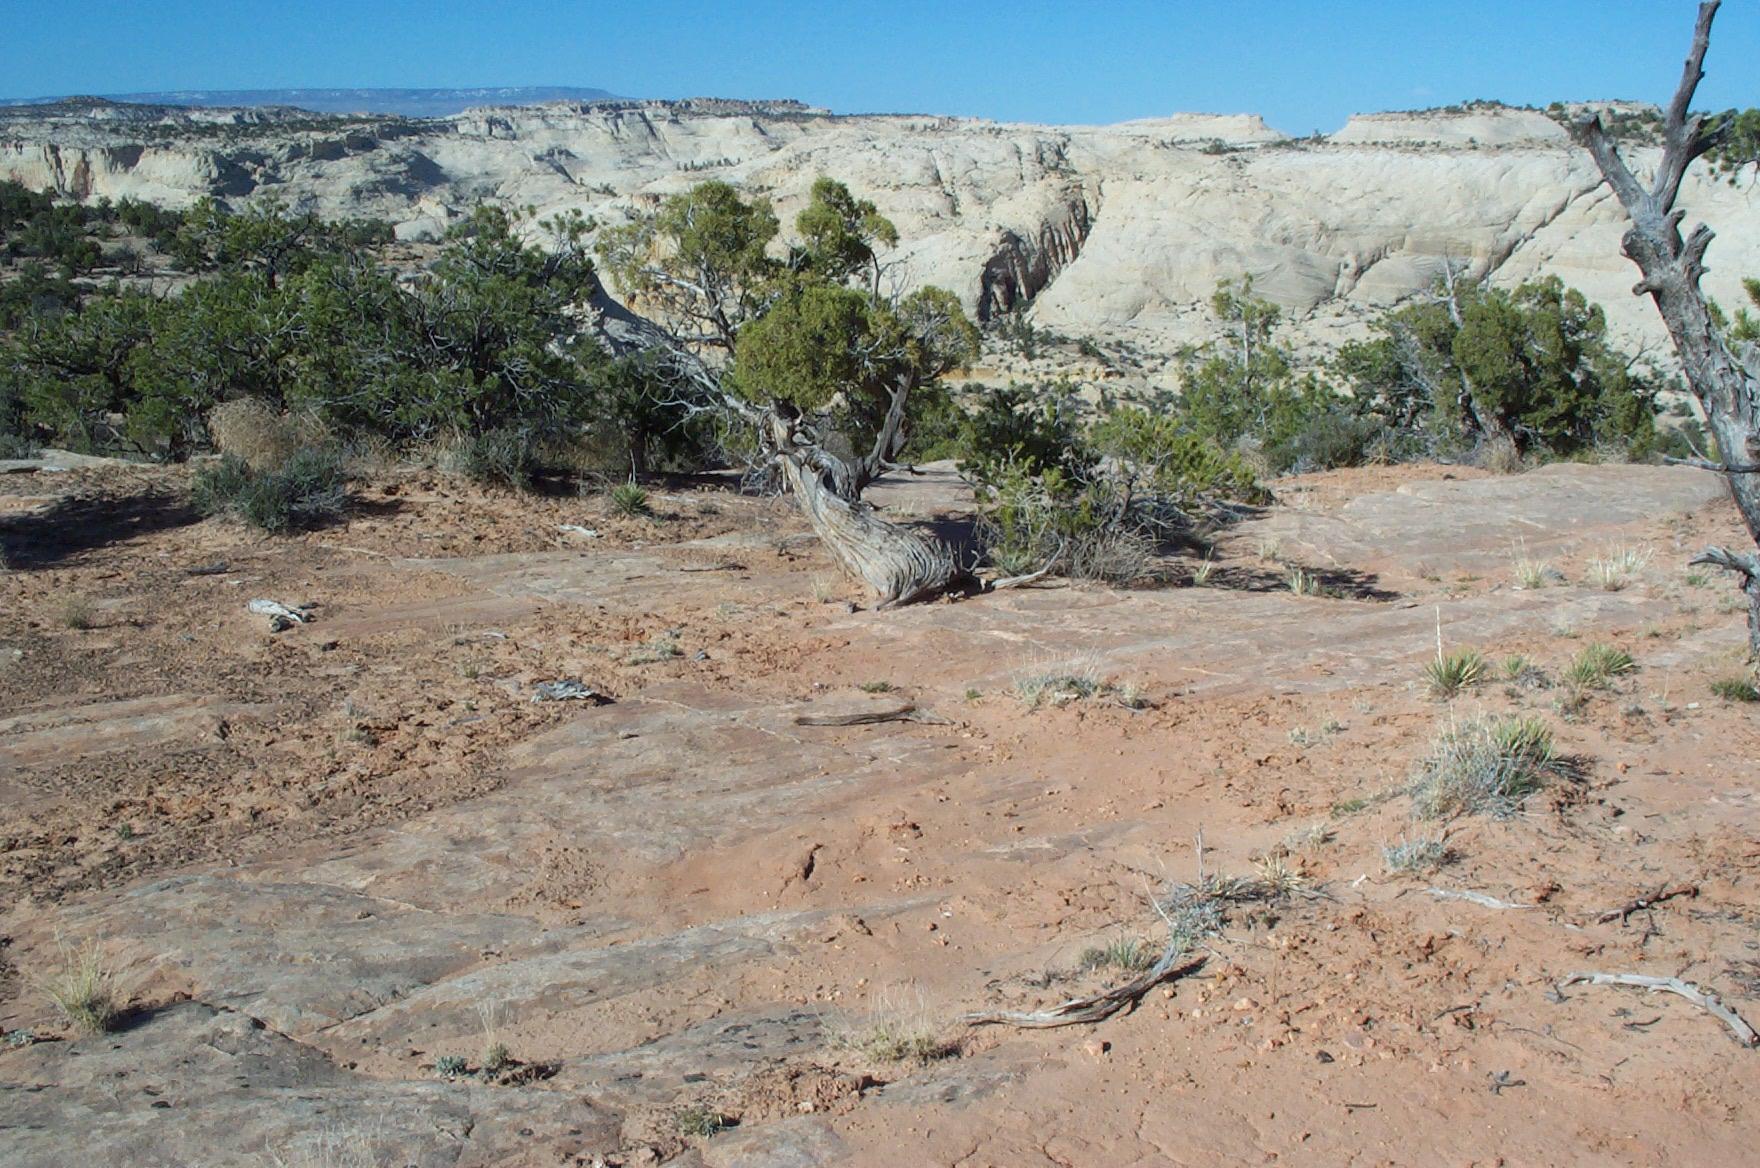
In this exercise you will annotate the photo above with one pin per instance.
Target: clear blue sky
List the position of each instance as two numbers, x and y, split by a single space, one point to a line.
1304 65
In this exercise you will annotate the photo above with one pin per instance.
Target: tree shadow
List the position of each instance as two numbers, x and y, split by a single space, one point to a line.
82 523
1327 583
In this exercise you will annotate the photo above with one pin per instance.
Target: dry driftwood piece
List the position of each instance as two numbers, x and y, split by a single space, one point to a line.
905 713
1096 1007
1639 904
1478 898
1703 998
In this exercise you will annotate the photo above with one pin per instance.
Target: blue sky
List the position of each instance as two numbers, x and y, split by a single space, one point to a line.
1305 66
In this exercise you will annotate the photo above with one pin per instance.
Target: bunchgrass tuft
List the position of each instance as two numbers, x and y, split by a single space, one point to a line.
1596 665
1414 856
1126 954
1450 673
1735 689
654 651
1484 766
699 1121
1613 570
898 1029
84 989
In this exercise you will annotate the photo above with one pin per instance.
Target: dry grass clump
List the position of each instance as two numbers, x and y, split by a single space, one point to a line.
1499 455
898 1028
698 1120
1613 570
1415 856
78 612
1485 766
652 652
1531 573
255 433
84 989
1125 954
1075 682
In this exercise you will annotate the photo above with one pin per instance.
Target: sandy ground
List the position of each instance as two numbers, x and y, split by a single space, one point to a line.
337 853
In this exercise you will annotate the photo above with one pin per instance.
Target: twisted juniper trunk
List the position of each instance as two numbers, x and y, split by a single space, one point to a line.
899 564
1727 390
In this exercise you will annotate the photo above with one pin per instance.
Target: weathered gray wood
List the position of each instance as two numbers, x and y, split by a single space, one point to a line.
1672 266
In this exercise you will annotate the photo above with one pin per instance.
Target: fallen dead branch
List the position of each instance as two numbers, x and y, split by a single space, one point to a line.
1643 902
1478 898
1703 998
1097 1007
728 566
905 713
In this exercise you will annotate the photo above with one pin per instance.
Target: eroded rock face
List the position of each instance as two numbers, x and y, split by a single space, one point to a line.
1117 231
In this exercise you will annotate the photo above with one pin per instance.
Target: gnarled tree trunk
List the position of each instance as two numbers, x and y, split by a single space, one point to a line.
899 564
1726 389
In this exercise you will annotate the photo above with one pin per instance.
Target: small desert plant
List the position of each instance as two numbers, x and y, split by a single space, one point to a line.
452 1066
1450 673
1531 573
898 1029
1499 455
1596 665
1735 689
1303 582
1278 878
1269 549
825 588
1205 571
1614 570
1308 838
77 612
877 687
309 489
630 499
84 989
1128 694
1410 857
698 1120
1487 765
496 458
658 649
1058 687
1127 954
254 432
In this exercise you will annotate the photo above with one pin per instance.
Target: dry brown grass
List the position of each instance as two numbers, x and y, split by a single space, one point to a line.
252 430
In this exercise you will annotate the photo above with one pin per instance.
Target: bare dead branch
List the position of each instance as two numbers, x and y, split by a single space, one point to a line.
1096 1007
1639 904
1703 998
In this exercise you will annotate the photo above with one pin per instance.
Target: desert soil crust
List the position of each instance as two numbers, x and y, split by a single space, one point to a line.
369 903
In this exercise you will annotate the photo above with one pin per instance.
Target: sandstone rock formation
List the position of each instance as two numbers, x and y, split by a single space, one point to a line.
1118 232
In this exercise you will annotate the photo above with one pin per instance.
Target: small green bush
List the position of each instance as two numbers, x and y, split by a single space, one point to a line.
1735 689
497 458
308 490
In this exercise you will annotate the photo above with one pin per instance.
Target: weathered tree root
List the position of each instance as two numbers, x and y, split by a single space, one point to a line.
1097 1007
1703 998
904 713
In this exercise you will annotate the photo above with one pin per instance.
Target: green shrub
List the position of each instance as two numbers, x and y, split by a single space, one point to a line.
1735 689
309 490
497 458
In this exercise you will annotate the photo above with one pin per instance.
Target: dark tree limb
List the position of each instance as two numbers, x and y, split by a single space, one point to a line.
1672 267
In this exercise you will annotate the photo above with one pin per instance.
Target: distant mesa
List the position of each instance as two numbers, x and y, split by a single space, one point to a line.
410 103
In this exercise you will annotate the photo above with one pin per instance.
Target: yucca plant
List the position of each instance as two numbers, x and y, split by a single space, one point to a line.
1450 673
1596 665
